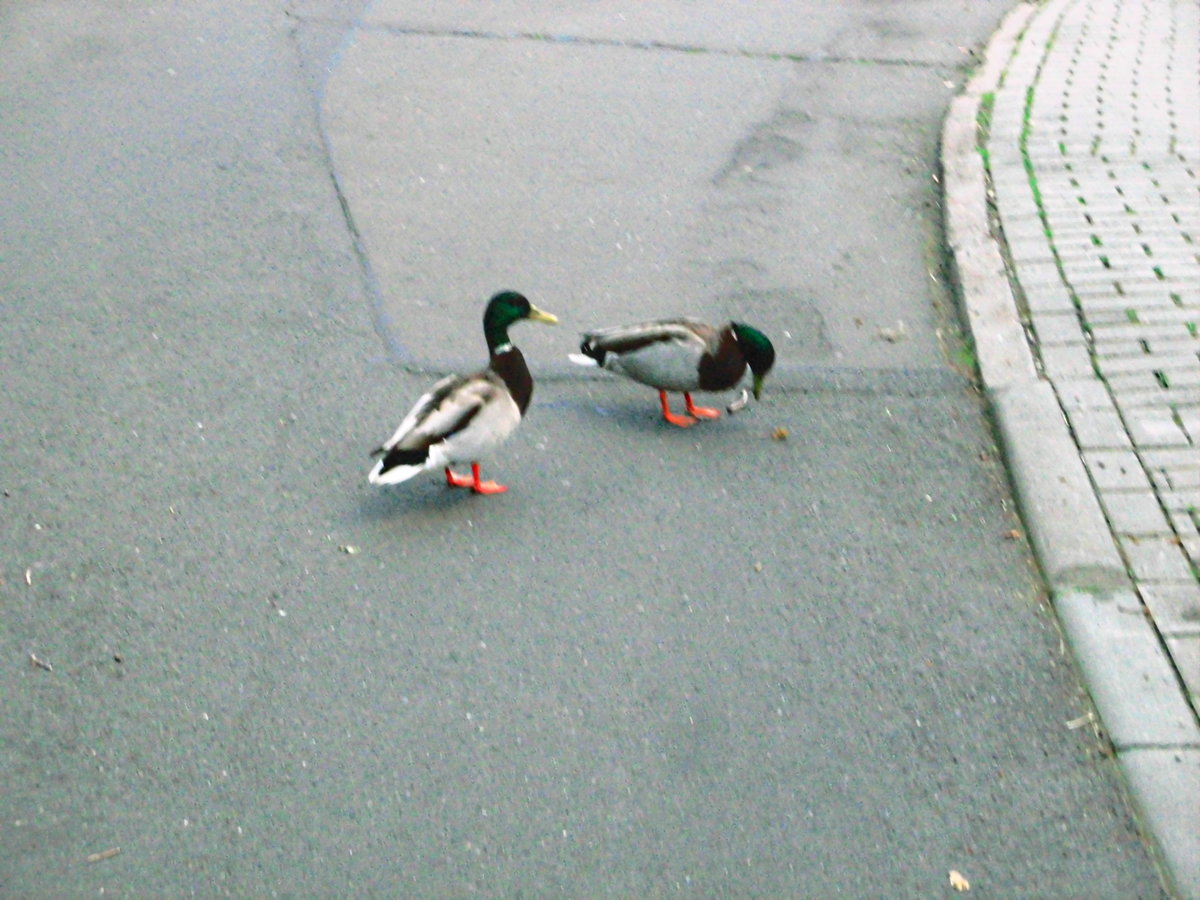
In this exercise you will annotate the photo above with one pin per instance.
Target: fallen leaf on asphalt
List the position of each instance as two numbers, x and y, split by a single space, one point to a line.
893 335
40 663
958 882
29 576
1012 534
349 549
104 854
779 434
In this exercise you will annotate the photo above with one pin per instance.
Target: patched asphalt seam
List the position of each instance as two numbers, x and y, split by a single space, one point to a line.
653 45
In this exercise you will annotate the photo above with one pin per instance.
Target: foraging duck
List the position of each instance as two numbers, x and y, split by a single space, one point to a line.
681 355
463 417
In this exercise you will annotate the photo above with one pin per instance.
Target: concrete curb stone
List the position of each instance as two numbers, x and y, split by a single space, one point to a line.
1113 635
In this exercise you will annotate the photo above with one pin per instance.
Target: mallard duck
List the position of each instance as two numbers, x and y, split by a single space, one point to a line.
463 417
681 355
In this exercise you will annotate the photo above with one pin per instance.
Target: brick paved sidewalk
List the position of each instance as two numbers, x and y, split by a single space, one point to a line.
1094 154
1085 120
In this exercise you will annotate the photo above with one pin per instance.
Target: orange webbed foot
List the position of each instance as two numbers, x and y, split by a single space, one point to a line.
700 412
488 487
473 481
673 418
453 479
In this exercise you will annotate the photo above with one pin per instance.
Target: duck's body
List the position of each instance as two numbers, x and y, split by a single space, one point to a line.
462 418
681 355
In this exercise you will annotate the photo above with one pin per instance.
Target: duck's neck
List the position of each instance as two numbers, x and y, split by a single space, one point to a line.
497 338
724 368
509 363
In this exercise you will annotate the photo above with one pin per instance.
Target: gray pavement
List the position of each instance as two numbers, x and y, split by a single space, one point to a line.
707 663
1086 121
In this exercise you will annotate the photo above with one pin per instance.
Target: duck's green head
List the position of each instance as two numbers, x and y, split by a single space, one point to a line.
505 309
759 353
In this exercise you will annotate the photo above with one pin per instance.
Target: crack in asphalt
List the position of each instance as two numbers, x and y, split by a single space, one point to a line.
800 378
625 43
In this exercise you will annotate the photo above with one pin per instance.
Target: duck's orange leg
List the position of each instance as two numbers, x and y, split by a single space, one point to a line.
453 479
681 421
700 412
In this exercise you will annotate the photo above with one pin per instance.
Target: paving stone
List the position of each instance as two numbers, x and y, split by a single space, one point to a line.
1149 362
1169 315
1017 207
1084 231
1135 513
1173 397
1098 429
1174 605
1105 345
1058 328
1131 382
1155 558
1171 341
1172 458
1065 360
1182 375
1116 470
1191 548
1097 298
1190 420
1072 202
1127 331
1186 529
1049 298
1185 653
1081 244
1124 284
1079 217
1156 428
1034 253
1180 478
1034 274
1184 499
1083 393
1020 227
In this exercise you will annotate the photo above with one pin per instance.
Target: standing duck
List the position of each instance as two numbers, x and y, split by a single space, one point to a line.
461 418
681 355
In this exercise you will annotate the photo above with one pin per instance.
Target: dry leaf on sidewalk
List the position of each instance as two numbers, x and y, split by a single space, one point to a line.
958 882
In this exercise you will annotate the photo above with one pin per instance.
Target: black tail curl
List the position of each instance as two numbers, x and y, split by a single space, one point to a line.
396 457
596 353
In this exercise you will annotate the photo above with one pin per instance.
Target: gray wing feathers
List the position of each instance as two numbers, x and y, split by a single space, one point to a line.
445 410
626 338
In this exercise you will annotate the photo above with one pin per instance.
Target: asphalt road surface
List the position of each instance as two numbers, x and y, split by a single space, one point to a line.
239 239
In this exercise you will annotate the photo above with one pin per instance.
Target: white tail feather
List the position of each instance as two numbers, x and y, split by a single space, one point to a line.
580 360
394 475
